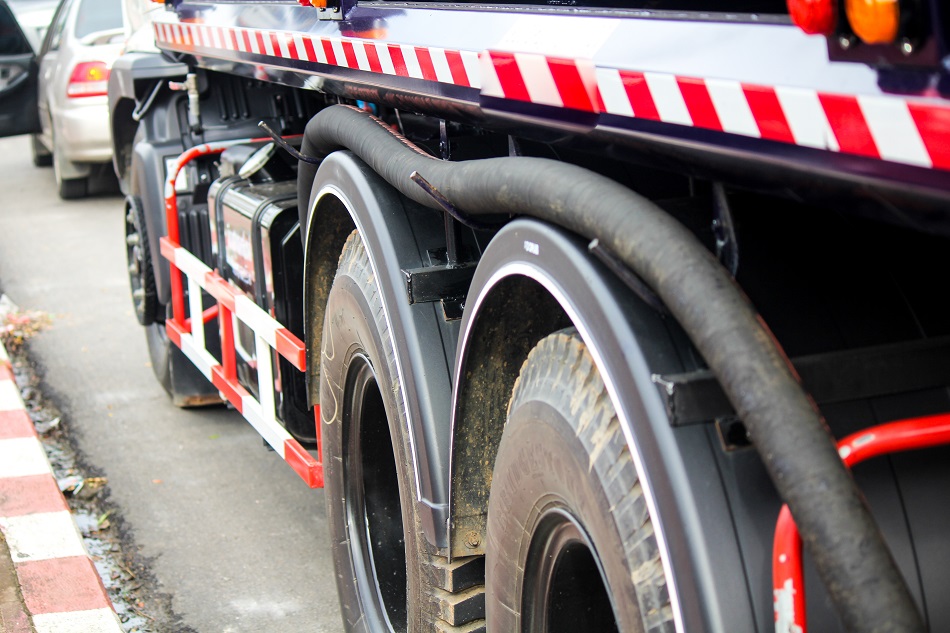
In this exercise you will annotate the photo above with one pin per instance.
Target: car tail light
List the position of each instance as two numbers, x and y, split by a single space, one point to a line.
874 21
815 17
89 79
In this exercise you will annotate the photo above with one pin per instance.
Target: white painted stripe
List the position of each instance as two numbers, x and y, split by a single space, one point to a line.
195 309
272 432
318 49
42 536
203 35
894 130
385 58
256 319
255 45
176 33
412 62
191 265
301 48
23 457
282 39
442 71
239 38
362 61
732 107
538 80
668 98
491 84
265 377
10 396
216 39
613 93
268 44
806 118
339 53
199 356
93 621
472 68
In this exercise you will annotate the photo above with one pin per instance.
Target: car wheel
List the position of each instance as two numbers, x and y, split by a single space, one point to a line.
68 188
41 156
138 256
570 543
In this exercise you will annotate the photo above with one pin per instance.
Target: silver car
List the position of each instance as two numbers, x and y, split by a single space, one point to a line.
84 39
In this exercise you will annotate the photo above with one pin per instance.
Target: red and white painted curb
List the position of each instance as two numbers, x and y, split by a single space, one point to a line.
61 589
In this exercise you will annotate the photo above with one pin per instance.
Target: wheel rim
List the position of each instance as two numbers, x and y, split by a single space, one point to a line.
136 259
565 589
373 510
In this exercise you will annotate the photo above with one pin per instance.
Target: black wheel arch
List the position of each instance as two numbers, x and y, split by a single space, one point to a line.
396 233
529 270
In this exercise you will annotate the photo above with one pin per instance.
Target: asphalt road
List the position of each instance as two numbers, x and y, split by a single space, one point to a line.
229 530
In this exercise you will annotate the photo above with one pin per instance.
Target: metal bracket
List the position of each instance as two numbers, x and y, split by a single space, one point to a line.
438 283
723 227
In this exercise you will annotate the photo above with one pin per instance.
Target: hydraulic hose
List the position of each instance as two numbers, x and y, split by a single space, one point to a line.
783 422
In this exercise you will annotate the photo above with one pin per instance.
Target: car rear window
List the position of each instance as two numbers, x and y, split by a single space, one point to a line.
98 15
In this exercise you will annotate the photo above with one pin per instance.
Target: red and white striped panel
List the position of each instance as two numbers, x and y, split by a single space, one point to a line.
897 129
885 127
269 335
402 60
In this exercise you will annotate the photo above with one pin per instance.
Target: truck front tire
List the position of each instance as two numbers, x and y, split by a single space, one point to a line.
570 543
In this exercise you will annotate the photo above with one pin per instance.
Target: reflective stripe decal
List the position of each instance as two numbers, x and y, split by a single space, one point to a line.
890 128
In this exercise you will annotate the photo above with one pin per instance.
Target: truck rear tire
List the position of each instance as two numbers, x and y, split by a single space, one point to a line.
570 542
378 551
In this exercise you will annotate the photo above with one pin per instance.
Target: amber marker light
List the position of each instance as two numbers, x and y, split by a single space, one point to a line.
815 17
874 21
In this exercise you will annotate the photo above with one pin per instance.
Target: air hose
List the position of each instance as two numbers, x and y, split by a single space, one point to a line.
783 422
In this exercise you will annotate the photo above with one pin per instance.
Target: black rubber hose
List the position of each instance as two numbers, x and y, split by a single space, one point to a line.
783 422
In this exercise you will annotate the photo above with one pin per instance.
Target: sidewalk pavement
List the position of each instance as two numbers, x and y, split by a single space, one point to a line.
48 583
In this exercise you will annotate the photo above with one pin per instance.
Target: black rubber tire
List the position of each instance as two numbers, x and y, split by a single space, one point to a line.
569 535
139 260
42 157
378 550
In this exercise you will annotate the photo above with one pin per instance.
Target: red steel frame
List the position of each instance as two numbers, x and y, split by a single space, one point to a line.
231 304
788 582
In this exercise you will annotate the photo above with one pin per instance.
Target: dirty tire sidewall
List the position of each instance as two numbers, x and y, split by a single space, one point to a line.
355 331
563 450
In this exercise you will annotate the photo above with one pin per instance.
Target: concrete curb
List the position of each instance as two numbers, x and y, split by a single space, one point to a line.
59 588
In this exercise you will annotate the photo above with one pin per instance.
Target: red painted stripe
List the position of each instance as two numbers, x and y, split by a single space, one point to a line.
457 68
260 42
699 103
373 56
328 51
319 430
934 126
15 424
570 86
275 44
30 495
768 113
64 584
425 63
350 54
232 391
222 36
509 75
247 40
292 48
186 35
220 289
308 46
303 464
234 34
291 348
849 125
399 62
174 331
638 92
167 248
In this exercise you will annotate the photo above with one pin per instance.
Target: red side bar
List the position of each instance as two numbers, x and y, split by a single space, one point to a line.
787 578
291 348
309 469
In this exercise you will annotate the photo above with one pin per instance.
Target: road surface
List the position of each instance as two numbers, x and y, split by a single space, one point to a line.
229 530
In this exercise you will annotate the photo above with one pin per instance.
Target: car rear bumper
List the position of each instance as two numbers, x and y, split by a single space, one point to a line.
82 131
